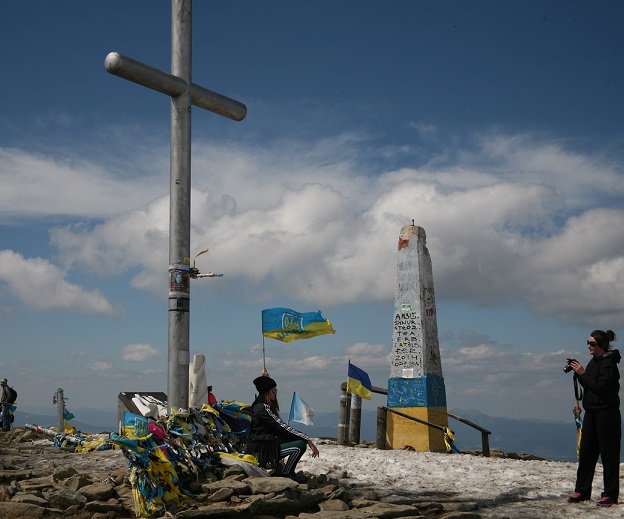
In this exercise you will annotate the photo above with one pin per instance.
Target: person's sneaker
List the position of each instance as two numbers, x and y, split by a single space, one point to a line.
606 501
577 497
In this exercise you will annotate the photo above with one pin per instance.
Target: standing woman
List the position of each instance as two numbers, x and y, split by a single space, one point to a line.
602 425
270 439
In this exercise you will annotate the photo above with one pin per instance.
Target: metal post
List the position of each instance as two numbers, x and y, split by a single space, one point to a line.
180 208
485 444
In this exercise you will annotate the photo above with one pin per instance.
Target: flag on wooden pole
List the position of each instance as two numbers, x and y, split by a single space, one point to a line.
358 382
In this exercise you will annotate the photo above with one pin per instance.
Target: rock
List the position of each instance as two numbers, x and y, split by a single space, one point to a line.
362 503
339 493
5 493
429 507
30 499
21 511
98 492
222 494
461 515
268 485
389 511
218 511
63 473
105 508
278 505
347 514
65 498
310 499
466 506
30 485
237 486
77 482
6 476
334 505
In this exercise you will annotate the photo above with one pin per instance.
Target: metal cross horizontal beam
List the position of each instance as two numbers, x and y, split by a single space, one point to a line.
166 83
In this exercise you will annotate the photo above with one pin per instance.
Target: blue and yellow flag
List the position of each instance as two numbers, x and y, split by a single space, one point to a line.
287 325
358 382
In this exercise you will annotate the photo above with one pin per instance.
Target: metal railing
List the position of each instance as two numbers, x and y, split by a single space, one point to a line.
350 417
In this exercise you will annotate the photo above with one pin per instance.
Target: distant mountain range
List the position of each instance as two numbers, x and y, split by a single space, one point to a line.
548 439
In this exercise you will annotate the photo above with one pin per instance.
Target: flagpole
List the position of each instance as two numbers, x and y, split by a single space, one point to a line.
292 403
263 356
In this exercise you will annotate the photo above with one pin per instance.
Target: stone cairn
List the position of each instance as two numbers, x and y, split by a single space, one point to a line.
39 480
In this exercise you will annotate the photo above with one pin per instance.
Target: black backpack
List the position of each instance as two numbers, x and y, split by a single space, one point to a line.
12 396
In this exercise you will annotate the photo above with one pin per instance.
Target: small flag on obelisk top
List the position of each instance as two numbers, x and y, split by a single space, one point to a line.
358 382
300 411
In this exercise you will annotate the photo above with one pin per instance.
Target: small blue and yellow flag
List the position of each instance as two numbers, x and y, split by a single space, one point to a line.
287 325
358 382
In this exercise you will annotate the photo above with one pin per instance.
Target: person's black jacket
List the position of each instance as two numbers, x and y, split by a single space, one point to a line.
267 432
601 382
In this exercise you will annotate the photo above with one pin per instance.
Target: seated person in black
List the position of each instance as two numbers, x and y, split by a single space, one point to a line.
270 439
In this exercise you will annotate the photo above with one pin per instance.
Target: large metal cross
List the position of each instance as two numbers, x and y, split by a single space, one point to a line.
183 94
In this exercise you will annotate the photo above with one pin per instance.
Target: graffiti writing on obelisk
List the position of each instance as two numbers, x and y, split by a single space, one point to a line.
407 344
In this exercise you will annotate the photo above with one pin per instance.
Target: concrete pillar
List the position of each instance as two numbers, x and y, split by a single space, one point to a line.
198 385
59 398
343 418
355 419
416 384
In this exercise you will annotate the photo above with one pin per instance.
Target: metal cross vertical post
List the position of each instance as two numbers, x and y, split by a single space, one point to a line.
180 209
183 94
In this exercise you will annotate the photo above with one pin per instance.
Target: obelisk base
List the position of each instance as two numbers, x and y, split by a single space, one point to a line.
402 432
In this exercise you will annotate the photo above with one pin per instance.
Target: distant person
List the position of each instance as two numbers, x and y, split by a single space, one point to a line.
7 399
601 433
270 439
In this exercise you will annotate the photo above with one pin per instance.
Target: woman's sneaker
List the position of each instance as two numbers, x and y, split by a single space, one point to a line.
606 501
577 497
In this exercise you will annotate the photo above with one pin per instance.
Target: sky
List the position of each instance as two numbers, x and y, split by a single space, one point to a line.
497 127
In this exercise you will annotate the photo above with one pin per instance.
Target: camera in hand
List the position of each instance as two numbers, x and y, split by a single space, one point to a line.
567 368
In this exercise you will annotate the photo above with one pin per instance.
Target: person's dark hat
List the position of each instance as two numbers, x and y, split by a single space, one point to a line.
264 384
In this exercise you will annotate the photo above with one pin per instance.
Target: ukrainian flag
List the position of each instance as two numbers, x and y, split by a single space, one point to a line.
358 382
287 325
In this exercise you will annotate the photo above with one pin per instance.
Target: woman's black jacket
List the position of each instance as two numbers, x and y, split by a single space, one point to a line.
601 382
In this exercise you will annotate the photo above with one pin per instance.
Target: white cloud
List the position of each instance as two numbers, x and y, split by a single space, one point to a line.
365 349
42 286
513 218
99 365
42 185
138 352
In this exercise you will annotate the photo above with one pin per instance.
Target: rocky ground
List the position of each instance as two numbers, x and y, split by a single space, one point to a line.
38 480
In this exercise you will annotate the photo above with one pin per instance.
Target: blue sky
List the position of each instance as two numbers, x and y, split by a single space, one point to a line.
495 126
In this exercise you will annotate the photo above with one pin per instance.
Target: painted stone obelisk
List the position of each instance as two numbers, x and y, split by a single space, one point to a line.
416 385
